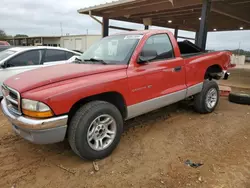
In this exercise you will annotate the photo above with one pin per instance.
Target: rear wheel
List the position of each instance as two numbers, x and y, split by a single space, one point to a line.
207 100
95 130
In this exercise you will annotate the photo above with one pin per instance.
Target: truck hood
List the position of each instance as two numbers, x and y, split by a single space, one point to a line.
48 75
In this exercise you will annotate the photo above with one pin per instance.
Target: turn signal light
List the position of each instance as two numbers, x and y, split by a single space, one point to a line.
34 114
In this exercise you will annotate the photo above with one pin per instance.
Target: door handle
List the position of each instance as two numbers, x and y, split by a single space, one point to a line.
177 69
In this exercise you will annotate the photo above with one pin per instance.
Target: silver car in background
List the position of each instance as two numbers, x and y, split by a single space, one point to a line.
20 59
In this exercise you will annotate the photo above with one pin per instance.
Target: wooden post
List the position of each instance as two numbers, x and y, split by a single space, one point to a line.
196 37
202 39
176 33
105 27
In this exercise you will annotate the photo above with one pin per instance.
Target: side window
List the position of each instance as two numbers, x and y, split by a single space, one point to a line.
55 55
33 57
69 55
162 45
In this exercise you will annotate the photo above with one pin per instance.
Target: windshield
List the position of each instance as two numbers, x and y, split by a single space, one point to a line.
111 50
6 53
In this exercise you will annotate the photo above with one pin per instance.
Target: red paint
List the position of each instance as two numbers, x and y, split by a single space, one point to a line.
62 86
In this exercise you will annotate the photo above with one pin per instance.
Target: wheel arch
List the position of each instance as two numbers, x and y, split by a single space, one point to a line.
213 72
112 97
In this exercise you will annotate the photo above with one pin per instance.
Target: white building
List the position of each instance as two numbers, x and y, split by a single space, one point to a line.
238 59
72 42
78 42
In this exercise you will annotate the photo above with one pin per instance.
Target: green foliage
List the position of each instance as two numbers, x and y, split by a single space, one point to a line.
2 35
21 36
241 52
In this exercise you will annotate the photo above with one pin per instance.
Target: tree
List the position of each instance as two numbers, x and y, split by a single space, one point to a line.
21 36
2 34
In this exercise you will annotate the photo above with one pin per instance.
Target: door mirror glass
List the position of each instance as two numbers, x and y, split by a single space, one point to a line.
147 55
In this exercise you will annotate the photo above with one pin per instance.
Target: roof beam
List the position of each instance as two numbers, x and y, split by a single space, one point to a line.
240 3
121 28
90 14
106 5
176 16
229 11
169 12
153 7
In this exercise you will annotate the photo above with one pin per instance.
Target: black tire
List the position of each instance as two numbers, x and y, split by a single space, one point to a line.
239 98
200 104
79 125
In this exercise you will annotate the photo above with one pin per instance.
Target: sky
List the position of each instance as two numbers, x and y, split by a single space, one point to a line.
43 17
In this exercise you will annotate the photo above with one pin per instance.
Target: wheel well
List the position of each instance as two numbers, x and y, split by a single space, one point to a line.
213 72
114 98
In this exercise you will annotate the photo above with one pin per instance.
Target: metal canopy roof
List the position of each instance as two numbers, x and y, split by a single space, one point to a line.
184 14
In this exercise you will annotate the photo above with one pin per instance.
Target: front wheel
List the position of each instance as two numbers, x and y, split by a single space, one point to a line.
95 130
207 100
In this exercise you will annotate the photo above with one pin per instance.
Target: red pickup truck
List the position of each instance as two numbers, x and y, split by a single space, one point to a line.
120 77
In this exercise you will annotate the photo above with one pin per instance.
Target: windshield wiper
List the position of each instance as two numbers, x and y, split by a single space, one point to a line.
77 60
96 60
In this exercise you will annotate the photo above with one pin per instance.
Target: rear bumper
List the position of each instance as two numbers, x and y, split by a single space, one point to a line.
39 131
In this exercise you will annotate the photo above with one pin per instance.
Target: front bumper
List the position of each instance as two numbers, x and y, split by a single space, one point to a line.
39 131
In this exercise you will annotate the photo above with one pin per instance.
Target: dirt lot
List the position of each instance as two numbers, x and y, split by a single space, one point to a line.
151 154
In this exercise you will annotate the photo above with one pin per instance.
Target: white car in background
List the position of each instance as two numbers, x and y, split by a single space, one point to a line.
19 59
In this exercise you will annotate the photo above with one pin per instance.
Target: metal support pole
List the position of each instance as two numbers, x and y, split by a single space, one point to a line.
105 27
202 39
146 27
176 32
196 37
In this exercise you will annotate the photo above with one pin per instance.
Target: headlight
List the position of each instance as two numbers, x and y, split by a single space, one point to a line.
36 109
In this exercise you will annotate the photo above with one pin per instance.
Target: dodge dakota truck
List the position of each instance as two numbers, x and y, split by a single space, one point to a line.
120 77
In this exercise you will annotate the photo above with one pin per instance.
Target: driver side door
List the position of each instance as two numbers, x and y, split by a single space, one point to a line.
152 83
147 80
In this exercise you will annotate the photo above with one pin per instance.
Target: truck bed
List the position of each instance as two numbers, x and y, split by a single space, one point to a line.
188 49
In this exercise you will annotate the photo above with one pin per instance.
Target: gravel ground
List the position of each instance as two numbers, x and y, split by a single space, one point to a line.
152 152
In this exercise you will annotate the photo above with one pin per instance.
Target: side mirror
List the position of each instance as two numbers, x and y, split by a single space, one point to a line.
147 55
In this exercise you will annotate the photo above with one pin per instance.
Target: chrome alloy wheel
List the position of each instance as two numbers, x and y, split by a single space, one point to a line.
211 98
101 132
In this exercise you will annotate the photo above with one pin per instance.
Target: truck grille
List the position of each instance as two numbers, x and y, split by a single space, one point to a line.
13 99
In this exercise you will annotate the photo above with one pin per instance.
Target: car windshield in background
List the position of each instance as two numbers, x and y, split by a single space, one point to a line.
6 53
111 50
